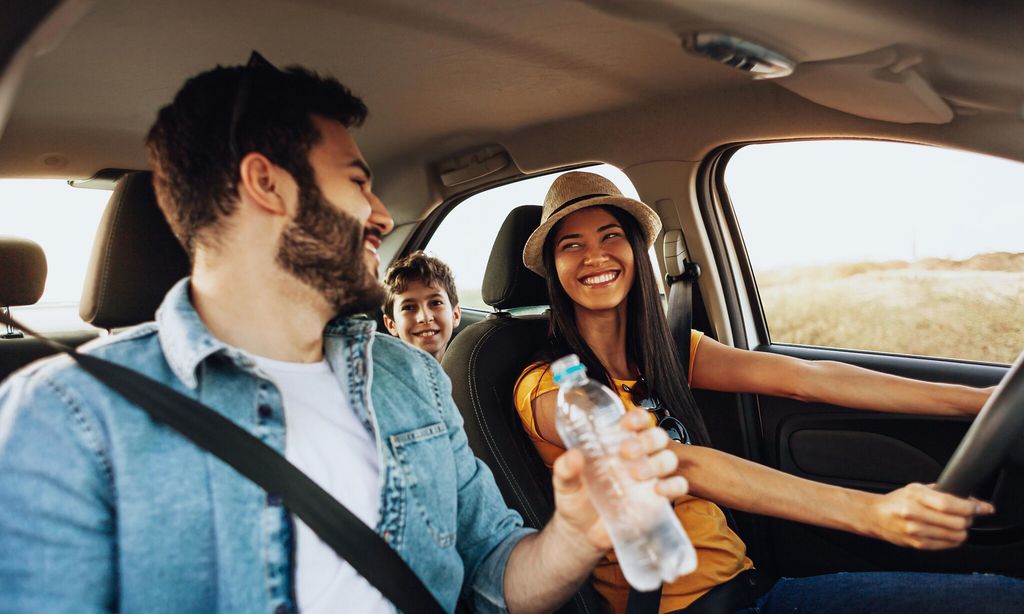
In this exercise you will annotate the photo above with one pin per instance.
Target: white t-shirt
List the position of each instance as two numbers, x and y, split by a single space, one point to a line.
325 439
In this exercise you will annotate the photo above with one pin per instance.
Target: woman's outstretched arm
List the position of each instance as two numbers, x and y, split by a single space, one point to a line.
915 515
727 369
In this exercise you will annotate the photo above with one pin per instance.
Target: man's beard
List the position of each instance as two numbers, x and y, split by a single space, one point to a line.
324 248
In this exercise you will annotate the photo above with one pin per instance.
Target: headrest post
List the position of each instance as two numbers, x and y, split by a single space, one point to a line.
11 333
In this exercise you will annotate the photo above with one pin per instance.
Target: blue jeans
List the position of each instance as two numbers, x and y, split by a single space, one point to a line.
897 592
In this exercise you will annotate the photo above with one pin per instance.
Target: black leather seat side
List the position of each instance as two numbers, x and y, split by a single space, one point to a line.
483 363
16 353
485 360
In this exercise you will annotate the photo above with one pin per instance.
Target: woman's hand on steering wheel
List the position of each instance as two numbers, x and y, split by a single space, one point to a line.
921 517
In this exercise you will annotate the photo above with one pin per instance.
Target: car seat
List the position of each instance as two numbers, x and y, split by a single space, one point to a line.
22 279
485 360
23 276
135 258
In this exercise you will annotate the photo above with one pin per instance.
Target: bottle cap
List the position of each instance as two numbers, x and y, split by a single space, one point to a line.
566 366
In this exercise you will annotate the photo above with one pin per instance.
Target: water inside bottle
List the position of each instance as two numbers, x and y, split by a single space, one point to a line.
649 541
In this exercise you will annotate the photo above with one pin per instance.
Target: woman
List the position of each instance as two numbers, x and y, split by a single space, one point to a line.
592 247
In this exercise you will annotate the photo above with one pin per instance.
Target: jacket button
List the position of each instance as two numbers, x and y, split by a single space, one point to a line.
265 411
273 500
281 609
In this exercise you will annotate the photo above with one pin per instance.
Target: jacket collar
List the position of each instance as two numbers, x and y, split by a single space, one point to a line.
187 342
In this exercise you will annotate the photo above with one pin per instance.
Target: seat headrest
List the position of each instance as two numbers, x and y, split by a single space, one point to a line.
23 275
135 258
507 281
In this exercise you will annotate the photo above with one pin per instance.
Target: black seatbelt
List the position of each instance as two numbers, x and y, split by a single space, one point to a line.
339 528
682 274
643 603
680 311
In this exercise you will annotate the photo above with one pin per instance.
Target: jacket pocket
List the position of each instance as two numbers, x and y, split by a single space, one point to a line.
428 466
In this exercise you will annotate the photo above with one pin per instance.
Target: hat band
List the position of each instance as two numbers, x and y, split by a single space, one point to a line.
574 201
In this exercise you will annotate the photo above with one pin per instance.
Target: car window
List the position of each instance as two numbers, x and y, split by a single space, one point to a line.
464 237
884 246
63 221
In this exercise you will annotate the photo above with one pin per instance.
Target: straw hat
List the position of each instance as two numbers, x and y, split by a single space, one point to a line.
577 190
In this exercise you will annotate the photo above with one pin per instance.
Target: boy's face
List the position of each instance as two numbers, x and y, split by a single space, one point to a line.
424 316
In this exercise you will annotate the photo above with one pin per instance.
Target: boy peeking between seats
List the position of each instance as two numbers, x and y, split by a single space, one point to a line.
422 306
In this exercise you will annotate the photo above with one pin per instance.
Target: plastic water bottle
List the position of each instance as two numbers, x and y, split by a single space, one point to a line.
649 542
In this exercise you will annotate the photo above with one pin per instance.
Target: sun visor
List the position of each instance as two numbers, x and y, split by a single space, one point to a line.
882 85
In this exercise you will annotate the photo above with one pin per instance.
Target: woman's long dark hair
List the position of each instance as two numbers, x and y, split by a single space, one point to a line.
649 343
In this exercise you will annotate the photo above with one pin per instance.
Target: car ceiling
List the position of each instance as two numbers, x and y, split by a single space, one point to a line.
555 82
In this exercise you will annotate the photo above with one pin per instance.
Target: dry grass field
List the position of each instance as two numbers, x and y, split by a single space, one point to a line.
971 309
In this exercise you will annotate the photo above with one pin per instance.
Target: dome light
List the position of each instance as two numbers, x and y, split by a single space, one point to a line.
752 58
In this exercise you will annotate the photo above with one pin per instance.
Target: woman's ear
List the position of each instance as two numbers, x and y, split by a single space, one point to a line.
264 184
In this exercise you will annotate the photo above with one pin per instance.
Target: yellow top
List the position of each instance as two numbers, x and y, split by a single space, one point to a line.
721 554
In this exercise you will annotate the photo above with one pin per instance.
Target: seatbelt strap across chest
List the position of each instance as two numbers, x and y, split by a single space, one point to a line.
682 274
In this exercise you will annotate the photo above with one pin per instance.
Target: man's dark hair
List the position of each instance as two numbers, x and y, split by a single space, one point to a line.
420 267
649 343
196 165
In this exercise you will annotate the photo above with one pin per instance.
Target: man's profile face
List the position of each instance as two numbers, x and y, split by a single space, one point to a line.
332 242
344 179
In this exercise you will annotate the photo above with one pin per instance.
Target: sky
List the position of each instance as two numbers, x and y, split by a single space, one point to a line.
806 203
801 203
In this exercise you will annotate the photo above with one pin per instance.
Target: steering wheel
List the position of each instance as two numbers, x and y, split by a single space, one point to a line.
995 438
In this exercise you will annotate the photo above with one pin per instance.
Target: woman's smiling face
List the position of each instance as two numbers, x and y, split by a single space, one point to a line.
593 259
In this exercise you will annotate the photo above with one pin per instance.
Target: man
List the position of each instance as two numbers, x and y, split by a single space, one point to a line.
105 510
422 304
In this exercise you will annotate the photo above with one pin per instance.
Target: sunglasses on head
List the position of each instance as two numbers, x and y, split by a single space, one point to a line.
257 63
641 396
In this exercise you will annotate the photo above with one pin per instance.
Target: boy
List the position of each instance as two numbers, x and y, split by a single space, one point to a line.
422 306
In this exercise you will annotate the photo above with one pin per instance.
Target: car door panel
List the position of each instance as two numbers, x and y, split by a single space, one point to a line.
822 452
880 452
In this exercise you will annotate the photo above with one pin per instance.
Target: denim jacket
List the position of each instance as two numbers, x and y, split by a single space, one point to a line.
102 509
